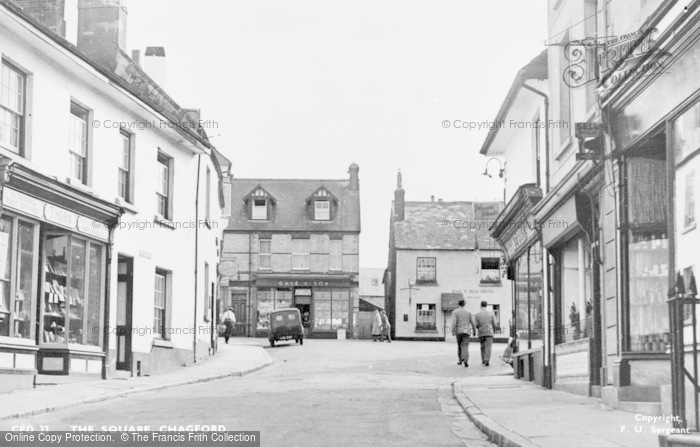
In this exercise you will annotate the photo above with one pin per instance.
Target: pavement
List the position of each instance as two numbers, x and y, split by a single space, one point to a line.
399 394
517 413
232 360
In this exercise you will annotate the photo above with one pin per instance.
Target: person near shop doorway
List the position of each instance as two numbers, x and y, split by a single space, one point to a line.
462 327
386 327
486 326
230 321
376 325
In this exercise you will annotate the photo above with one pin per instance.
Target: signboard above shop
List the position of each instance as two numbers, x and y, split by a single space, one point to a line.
47 212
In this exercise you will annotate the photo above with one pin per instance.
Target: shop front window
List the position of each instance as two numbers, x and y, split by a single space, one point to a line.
27 256
647 254
73 291
283 298
5 269
266 304
331 309
322 309
425 317
529 298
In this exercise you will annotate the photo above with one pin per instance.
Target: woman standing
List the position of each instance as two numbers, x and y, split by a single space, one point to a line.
376 326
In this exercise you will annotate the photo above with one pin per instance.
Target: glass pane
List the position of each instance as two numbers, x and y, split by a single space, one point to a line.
266 297
521 317
340 309
283 299
95 296
536 307
648 272
322 309
5 250
55 282
76 292
23 301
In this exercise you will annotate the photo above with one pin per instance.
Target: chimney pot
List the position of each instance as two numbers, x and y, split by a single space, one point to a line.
439 200
432 198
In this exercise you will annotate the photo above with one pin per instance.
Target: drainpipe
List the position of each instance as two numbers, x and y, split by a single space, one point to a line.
196 257
250 267
546 134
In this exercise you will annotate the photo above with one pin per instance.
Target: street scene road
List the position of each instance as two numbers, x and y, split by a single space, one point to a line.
344 392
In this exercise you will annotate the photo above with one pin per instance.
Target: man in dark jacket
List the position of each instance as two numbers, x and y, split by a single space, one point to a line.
462 327
486 325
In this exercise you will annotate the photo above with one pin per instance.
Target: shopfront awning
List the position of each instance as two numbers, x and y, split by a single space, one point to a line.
450 301
571 217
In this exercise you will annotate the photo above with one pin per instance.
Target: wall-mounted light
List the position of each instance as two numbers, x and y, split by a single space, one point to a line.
7 166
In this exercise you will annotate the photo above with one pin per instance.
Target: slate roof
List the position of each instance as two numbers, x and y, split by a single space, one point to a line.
291 207
431 226
128 75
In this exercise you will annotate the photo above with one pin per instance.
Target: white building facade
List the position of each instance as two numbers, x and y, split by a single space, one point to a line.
111 204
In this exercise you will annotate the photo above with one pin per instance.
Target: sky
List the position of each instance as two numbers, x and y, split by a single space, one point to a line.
304 88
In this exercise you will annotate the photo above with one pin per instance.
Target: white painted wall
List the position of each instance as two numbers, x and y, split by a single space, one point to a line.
54 79
456 271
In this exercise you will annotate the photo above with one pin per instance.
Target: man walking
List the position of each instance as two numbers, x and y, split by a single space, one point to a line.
462 327
230 321
386 327
486 325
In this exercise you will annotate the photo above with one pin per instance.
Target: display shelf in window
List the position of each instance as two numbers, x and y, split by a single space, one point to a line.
648 285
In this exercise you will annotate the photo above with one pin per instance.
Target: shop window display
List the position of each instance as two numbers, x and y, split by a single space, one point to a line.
648 254
71 303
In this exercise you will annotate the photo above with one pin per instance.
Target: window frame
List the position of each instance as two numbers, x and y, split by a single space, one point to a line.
254 207
483 280
419 279
166 161
76 110
431 311
322 214
265 255
128 139
161 332
304 256
338 257
23 103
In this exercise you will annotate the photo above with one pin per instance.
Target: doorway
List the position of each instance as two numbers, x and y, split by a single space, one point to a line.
125 279
238 302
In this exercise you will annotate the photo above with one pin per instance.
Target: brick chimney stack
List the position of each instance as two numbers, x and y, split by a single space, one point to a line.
51 13
354 178
102 30
399 200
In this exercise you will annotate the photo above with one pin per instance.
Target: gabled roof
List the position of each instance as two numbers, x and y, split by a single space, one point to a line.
445 226
259 191
291 211
322 192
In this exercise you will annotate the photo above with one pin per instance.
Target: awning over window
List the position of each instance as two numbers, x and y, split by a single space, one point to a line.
450 301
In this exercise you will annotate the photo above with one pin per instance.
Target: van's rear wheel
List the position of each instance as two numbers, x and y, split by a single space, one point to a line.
272 343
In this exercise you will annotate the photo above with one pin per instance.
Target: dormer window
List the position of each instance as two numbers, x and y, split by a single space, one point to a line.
322 210
322 205
260 204
259 209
